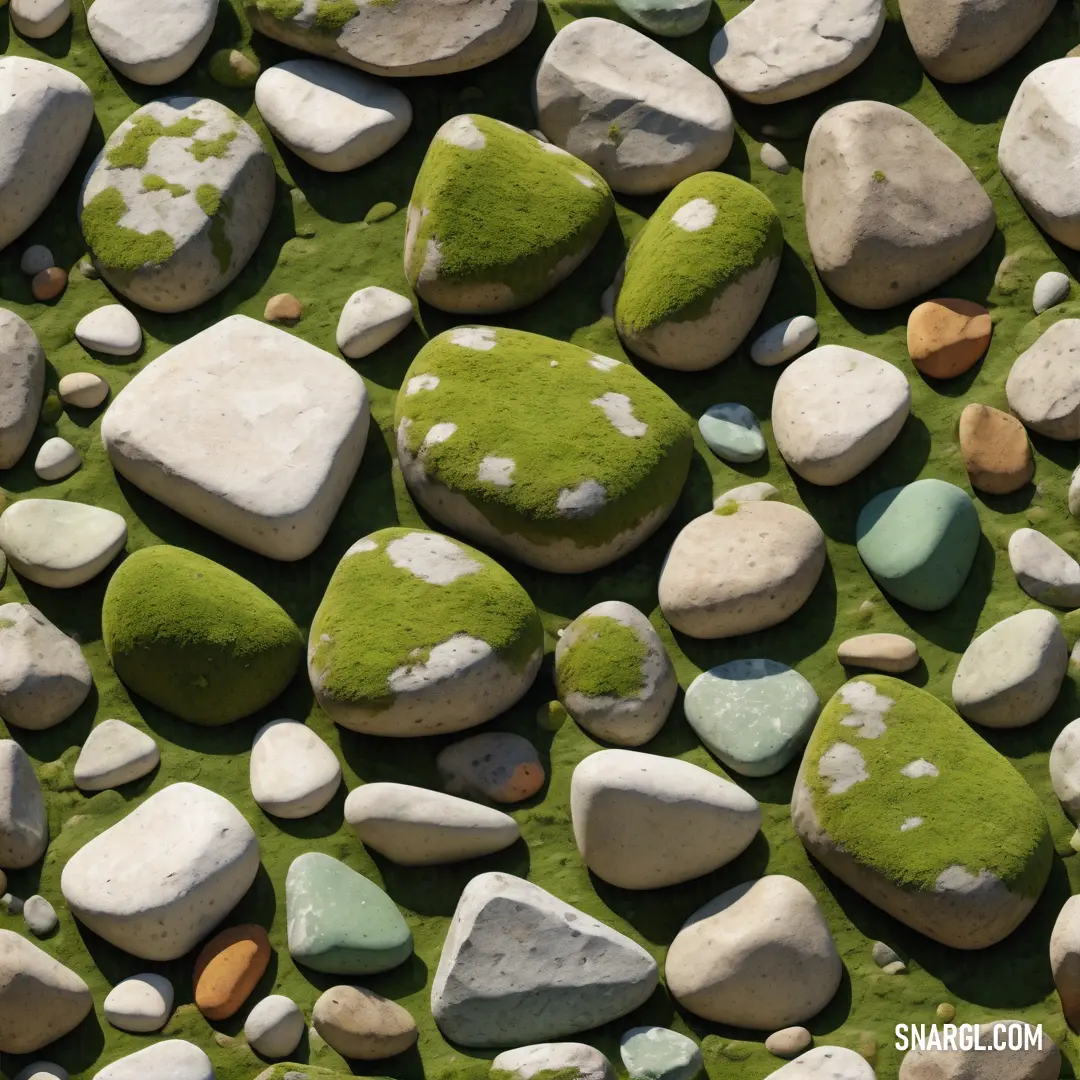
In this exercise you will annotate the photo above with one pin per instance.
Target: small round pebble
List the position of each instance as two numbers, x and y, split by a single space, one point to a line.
946 1012
883 954
498 765
83 390
48 284
897 967
35 258
732 432
111 330
56 459
274 1027
789 1042
658 1053
358 1023
773 159
283 308
43 1070
784 340
40 916
1051 289
140 1004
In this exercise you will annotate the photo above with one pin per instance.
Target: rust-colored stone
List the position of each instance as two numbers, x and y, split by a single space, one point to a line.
49 284
996 451
947 337
283 308
227 969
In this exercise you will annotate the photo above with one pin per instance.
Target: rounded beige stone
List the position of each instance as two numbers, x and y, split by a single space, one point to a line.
360 1024
892 653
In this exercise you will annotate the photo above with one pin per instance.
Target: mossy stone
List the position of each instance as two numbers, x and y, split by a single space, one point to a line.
605 660
288 1070
498 218
196 639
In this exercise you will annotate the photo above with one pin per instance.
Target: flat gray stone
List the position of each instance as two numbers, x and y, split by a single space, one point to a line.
114 754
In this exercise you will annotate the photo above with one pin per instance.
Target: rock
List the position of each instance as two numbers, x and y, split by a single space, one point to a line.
1041 1062
892 653
657 1053
56 459
896 834
35 258
49 284
740 569
1043 386
22 374
228 968
196 639
699 273
339 922
416 827
754 715
157 882
172 1058
151 42
217 453
836 410
233 68
771 52
194 187
789 1042
293 773
644 822
1051 289
40 916
641 116
283 308
667 18
497 219
891 211
497 766
784 340
370 319
1039 146
111 330
83 390
946 1011
359 1024
732 432
140 1004
332 118
13 904
758 956
274 1027
40 999
832 1062
540 1059
945 338
60 544
47 115
759 492
996 453
457 642
1074 494
24 824
613 674
518 965
42 1070
1043 570
293 1071
115 754
1064 768
774 160
919 542
576 463
1065 959
883 955
411 38
44 676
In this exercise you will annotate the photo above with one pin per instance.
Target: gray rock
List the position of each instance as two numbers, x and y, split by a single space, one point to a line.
526 1061
172 1058
22 380
42 1070
40 916
56 459
1065 769
111 330
274 1027
370 319
24 823
657 1053
114 754
1041 1062
1043 570
1051 289
1043 387
35 258
140 1003
826 1063
883 955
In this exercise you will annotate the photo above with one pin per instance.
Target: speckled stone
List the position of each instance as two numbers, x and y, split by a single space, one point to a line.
498 766
789 1042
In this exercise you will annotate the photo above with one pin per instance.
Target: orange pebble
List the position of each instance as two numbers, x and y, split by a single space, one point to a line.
227 969
947 337
49 284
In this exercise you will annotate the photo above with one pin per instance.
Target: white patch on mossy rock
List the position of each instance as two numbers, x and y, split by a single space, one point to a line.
868 709
619 409
24 823
431 557
497 470
1043 386
919 768
696 215
843 766
22 379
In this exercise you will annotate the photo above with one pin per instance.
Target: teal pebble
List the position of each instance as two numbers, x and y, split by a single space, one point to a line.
919 542
656 1053
668 18
732 433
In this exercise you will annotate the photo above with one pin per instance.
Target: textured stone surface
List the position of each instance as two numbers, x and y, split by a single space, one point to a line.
656 1053
947 337
788 1042
274 1027
371 318
40 916
1065 768
83 390
527 1061
1041 1062
996 452
785 340
114 754
1044 570
497 766
140 1003
24 823
172 1058
359 1024
56 459
22 384
36 19
892 653
1043 386
828 1063
1051 289
111 330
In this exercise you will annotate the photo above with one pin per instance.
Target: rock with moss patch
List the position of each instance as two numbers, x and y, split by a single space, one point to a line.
498 218
574 1061
196 639
699 273
613 674
398 37
558 456
177 202
906 804
456 641
22 376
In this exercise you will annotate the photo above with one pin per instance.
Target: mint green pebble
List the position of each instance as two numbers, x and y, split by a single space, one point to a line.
753 715
732 432
340 923
919 542
668 18
657 1053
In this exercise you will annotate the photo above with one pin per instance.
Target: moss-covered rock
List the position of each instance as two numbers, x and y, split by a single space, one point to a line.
195 638
287 1070
498 218
699 273
420 634
904 802
561 457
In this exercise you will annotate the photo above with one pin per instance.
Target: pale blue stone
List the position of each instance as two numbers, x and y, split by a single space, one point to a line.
656 1053
732 432
668 18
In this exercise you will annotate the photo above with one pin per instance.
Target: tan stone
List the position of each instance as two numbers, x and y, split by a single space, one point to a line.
228 968
996 452
948 337
83 389
360 1024
496 765
879 652
283 308
789 1042
49 284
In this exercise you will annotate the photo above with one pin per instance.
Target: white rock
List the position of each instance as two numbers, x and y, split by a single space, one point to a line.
247 430
416 827
774 159
22 370
784 340
1043 386
293 772
114 754
42 1070
151 41
60 544
758 492
1044 570
758 956
83 390
1074 493
44 676
274 1027
773 51
836 410
173 1059
1039 1060
157 882
526 1061
370 319
40 916
1051 289
1065 769
140 1004
56 459
1065 958
111 330
39 18
44 119
24 823
1010 676
643 117
644 822
333 118
35 258
826 1063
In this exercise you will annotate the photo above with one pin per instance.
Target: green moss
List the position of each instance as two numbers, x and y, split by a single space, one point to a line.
6 624
727 509
209 199
201 149
52 408
879 176
332 15
114 245
153 182
606 659
380 212
614 134
279 9
133 152
195 638
977 812
219 235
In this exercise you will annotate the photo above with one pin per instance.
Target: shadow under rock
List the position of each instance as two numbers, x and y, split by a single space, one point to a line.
50 744
1037 738
919 675
315 826
77 1051
1013 503
1062 454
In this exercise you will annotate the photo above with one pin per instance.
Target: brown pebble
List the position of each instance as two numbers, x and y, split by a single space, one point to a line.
283 308
996 451
497 765
947 337
228 968
360 1024
49 284
892 653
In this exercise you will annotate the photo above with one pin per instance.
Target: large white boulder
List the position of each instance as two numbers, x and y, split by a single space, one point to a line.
174 1059
22 379
247 430
159 880
24 823
1043 387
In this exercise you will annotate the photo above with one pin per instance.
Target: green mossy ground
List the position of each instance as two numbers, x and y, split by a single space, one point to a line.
134 151
605 660
320 248
115 246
